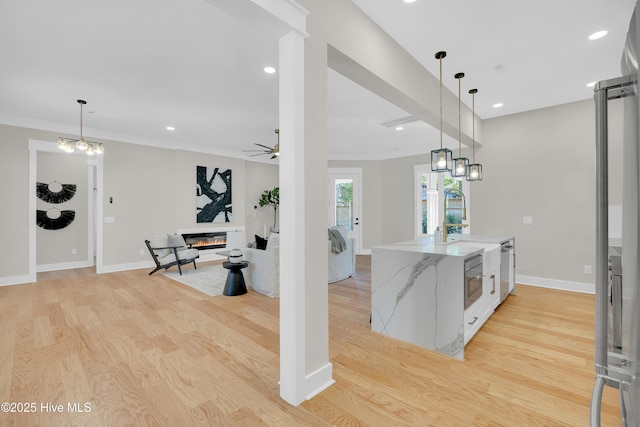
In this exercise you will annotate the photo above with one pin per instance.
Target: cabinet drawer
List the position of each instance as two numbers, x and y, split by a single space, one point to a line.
474 317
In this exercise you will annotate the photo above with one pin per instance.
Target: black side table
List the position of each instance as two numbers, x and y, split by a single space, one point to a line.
235 280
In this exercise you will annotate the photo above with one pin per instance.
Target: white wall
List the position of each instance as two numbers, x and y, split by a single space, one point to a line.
542 164
14 193
258 177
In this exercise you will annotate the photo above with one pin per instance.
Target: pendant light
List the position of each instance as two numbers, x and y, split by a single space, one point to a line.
460 164
69 144
474 171
441 159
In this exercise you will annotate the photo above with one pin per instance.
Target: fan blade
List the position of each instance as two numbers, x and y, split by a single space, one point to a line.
261 151
260 145
259 154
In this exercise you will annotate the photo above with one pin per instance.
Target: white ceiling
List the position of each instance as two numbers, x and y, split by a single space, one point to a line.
147 64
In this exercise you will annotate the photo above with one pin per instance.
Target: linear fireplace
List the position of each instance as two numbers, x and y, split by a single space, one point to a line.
207 240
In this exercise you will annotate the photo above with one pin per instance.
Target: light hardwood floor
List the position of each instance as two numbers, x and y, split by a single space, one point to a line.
145 351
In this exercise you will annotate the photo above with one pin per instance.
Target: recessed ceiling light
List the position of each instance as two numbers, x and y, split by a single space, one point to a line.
399 128
598 35
409 1
170 128
592 84
498 105
269 70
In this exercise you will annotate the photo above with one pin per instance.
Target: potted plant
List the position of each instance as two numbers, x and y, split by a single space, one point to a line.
272 198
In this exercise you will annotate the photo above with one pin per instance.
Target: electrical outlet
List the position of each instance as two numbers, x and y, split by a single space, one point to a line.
588 269
141 252
74 251
527 220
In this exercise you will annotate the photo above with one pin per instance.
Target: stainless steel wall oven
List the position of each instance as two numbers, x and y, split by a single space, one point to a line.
472 279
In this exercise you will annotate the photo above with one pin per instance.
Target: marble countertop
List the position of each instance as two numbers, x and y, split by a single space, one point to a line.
480 238
427 245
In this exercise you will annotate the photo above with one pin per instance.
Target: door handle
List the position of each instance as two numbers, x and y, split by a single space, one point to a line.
493 285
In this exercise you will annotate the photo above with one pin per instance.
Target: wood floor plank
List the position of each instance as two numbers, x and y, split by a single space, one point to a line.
145 350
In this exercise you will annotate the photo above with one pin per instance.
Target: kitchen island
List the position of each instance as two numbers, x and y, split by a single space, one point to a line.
418 291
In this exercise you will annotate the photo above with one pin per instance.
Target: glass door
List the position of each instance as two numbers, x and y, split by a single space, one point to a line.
344 202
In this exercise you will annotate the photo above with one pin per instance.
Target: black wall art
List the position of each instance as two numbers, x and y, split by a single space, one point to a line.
213 194
54 218
55 193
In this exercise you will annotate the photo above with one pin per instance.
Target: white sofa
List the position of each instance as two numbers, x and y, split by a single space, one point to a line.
263 273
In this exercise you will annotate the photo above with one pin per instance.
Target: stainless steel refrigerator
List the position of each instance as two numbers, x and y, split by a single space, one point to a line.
617 323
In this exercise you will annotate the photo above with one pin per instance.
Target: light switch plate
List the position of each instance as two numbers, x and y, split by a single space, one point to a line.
109 220
527 220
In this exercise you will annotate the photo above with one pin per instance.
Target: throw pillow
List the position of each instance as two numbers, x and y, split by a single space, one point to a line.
261 243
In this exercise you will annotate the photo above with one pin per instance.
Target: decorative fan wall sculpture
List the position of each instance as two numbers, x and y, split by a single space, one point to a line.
275 151
54 218
54 192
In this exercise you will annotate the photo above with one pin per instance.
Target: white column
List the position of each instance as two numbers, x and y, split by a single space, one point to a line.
292 219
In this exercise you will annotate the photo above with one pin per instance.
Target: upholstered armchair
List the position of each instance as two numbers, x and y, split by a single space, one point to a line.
168 250
342 265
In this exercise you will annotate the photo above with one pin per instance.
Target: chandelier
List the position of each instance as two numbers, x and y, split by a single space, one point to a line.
69 144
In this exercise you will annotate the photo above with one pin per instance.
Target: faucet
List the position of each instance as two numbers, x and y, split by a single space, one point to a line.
464 212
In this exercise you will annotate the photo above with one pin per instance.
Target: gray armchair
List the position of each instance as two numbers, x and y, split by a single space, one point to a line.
168 250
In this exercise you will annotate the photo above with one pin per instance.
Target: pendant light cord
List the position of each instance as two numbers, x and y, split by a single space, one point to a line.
80 120
473 117
459 122
459 77
441 103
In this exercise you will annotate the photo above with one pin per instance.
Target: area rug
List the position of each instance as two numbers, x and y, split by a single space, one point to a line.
209 279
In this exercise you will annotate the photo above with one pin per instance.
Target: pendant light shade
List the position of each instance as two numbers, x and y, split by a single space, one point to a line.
441 160
460 164
474 171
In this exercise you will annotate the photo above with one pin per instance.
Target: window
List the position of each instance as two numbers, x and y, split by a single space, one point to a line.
426 185
430 189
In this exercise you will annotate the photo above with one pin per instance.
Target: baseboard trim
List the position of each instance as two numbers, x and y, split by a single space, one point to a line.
125 267
63 266
319 380
16 280
365 252
563 285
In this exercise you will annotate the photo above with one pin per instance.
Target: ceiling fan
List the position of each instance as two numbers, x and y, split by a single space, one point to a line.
275 151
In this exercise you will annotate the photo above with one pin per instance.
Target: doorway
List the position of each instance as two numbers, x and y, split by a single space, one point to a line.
345 202
94 231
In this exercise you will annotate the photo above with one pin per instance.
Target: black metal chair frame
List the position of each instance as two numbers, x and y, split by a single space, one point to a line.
179 262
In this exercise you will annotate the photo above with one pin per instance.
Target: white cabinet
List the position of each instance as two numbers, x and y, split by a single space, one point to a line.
491 261
493 285
475 316
479 312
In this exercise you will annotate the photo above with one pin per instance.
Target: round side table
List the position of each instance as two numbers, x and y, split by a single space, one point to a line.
235 280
